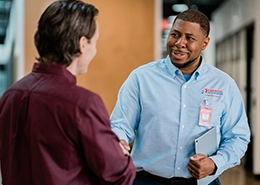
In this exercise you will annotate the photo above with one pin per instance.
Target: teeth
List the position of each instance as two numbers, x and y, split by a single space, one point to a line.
178 54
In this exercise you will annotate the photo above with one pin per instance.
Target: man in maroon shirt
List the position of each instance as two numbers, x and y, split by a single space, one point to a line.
53 132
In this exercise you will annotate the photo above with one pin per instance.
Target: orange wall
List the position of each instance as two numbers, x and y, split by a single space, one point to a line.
126 42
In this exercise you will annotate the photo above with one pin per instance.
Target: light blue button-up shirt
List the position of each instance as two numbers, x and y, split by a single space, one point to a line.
159 110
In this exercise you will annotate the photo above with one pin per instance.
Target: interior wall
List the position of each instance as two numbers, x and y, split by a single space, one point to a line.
257 93
12 51
126 41
234 16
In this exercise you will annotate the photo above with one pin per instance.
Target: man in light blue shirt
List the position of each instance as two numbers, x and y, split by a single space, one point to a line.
165 105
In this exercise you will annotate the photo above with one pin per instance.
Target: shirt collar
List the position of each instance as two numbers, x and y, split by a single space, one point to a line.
202 68
174 70
54 69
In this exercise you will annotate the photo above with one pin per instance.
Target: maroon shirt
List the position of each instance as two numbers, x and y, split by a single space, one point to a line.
53 132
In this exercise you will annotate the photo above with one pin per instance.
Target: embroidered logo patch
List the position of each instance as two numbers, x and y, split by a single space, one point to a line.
212 92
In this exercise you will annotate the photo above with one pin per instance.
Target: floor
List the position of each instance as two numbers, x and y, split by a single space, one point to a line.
238 176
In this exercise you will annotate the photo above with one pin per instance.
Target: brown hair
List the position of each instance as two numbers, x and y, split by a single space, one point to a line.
60 28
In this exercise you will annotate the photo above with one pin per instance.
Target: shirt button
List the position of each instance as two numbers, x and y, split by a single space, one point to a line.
178 168
180 147
185 86
182 126
184 105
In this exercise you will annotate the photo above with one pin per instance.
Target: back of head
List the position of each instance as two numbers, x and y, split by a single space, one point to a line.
195 16
60 28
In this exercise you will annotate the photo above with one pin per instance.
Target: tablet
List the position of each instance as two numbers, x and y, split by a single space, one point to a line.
207 144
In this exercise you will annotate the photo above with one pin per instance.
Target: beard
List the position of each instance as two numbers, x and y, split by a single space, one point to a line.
186 64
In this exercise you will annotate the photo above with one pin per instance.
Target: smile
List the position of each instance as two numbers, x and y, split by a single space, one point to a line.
179 54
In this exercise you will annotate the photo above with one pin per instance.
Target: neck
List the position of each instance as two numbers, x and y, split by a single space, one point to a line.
72 68
190 66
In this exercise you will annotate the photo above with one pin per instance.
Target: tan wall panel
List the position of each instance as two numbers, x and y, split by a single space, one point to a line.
33 11
126 41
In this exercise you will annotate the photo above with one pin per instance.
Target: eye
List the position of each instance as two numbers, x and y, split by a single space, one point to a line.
191 38
175 35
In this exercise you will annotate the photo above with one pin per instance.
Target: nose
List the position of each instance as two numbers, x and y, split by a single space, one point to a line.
181 42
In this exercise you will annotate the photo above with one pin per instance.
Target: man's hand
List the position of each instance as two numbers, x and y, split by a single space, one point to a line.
124 146
201 166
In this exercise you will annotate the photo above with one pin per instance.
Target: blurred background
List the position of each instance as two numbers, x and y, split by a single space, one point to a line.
134 32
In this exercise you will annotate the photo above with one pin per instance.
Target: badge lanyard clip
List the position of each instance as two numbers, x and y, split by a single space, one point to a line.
206 102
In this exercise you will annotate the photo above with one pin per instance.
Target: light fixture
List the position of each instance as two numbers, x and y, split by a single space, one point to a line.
179 7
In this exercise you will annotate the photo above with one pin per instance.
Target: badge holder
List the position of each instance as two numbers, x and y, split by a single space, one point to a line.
205 114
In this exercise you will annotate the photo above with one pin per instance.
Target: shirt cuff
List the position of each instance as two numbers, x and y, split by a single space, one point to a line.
120 134
219 162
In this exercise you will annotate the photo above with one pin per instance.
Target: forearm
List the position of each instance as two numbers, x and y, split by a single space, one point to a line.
229 155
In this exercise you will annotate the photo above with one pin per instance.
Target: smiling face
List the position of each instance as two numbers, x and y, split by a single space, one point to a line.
185 43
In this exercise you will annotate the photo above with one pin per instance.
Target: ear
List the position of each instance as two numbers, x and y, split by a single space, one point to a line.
83 44
205 43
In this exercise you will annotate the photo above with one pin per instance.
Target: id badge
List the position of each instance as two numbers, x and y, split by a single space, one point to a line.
205 116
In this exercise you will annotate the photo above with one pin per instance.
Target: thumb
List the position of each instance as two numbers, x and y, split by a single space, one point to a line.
197 157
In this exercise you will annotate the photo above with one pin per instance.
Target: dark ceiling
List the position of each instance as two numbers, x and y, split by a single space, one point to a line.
205 6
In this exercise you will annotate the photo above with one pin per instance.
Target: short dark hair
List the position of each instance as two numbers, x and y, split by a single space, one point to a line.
196 17
60 28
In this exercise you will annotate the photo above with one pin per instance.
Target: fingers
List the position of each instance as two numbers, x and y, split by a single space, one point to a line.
193 173
125 144
200 166
196 162
195 166
194 170
197 157
124 150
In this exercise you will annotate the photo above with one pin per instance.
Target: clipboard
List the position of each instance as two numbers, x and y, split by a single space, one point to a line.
207 144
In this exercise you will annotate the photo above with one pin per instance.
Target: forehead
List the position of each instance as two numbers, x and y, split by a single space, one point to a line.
186 27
